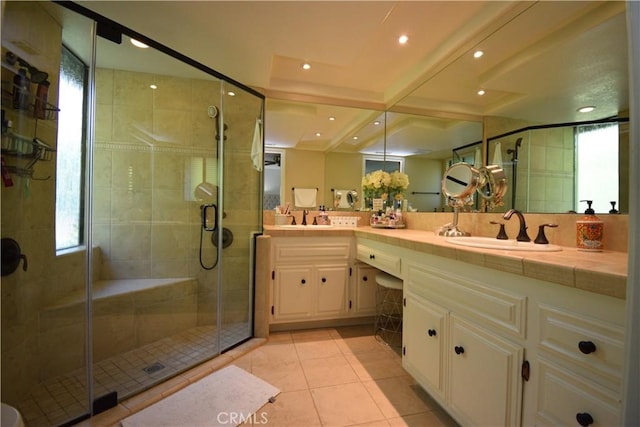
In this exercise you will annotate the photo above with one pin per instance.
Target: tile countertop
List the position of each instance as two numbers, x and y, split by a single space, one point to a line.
599 272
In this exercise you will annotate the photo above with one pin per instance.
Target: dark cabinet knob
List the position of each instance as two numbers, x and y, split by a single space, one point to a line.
303 281
584 419
432 332
365 278
458 349
587 347
372 256
324 279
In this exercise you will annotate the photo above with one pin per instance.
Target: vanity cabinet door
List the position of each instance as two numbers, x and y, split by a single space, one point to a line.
363 297
424 336
332 284
485 387
293 297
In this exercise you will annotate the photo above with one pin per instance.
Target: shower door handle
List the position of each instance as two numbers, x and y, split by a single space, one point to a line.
204 217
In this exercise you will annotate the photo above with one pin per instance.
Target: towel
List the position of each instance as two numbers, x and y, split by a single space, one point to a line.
305 197
342 198
256 147
477 159
497 154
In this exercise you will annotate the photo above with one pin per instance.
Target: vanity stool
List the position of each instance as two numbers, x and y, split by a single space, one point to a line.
388 323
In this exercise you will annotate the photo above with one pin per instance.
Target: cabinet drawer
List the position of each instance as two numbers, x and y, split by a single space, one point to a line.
294 252
591 345
379 259
501 309
563 395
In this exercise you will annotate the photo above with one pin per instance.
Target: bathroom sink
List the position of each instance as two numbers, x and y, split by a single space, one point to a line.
304 227
505 245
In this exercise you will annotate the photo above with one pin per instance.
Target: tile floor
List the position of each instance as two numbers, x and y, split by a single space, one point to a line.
328 377
60 399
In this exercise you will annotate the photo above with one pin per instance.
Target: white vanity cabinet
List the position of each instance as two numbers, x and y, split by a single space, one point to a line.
317 278
498 348
453 346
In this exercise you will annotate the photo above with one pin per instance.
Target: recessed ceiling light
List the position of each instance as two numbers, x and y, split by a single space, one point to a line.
377 122
230 93
331 118
153 86
355 137
478 54
318 134
306 66
403 39
586 109
481 92
139 44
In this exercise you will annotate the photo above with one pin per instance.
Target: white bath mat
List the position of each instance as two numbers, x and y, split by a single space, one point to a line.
227 397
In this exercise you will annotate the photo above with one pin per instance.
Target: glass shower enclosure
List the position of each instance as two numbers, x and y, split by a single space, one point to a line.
138 221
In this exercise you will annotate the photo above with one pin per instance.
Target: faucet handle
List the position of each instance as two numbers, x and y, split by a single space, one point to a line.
541 239
293 219
502 234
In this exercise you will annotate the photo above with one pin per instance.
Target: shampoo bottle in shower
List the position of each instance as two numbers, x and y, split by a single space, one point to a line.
589 230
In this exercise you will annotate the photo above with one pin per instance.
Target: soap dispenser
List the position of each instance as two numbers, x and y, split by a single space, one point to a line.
323 217
589 230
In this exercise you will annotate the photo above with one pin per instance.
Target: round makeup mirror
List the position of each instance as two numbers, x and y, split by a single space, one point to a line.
492 186
461 181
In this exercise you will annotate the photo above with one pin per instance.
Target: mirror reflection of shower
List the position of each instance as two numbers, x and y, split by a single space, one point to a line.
514 170
212 111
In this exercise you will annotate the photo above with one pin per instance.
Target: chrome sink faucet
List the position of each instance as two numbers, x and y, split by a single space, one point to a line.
522 234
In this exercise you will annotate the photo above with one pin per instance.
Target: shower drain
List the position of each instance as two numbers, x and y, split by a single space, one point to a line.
155 367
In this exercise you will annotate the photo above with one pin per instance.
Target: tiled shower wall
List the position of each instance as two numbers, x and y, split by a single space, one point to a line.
145 221
546 171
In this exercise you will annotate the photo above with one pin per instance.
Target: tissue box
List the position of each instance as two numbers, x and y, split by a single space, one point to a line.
344 221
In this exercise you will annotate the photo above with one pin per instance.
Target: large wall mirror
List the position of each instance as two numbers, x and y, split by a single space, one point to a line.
540 66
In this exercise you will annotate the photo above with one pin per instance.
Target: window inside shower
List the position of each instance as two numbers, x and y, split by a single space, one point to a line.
597 166
70 159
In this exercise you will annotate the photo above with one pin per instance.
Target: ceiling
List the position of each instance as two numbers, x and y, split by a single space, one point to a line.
542 61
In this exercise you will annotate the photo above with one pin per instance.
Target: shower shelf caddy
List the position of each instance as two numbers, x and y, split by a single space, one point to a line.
30 150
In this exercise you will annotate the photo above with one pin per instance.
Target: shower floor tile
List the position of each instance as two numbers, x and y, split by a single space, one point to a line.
61 399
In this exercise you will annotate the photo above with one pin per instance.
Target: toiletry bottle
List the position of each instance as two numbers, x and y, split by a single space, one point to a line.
40 105
589 230
21 90
323 217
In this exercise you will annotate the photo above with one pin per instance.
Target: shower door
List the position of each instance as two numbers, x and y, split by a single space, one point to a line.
241 213
172 217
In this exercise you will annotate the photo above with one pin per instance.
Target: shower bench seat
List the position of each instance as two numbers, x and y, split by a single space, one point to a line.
126 314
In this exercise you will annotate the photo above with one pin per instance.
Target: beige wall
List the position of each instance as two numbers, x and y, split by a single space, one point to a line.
28 216
424 176
343 171
305 169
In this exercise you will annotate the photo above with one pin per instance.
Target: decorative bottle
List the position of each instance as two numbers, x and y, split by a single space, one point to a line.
589 230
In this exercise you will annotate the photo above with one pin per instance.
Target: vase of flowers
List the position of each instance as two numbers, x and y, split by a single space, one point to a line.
397 187
384 185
